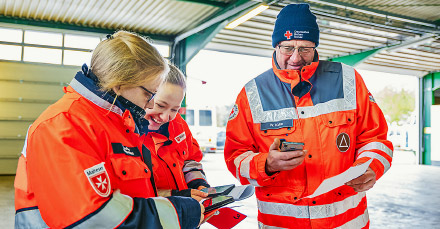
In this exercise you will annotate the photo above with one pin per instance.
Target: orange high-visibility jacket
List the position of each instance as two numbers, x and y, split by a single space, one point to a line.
176 157
338 121
82 166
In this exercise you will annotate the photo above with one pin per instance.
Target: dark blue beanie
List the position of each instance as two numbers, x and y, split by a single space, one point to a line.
295 22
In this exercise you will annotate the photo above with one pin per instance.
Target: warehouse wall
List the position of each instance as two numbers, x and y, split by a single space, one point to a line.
26 90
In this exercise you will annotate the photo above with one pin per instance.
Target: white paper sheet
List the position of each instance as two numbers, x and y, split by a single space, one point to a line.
339 180
242 192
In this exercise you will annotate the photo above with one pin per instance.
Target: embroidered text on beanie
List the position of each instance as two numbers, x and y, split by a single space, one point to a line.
295 22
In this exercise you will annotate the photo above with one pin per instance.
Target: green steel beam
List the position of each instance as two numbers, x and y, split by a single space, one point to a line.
357 58
66 26
208 2
430 83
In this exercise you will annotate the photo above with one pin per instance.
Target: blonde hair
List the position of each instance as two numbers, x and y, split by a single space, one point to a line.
176 77
127 59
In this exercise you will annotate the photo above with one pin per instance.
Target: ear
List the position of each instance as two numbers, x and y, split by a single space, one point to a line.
117 89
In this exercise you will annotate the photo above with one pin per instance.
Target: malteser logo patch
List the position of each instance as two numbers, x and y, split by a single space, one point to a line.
343 142
99 179
180 137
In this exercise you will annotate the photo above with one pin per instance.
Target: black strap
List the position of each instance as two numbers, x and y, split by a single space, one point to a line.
147 160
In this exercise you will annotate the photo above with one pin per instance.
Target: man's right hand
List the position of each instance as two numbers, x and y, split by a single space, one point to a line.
280 161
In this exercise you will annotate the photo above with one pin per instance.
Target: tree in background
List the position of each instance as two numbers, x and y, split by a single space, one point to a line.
396 105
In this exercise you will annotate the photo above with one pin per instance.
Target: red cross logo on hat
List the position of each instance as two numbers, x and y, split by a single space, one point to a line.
288 34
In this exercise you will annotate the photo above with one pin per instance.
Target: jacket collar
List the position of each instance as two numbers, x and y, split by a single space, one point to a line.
86 84
293 76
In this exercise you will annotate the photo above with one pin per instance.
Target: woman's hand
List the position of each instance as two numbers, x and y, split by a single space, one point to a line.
198 195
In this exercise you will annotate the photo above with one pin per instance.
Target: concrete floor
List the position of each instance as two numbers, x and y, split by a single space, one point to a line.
408 196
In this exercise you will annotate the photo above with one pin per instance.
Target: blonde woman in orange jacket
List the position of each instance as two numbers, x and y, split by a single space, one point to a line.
84 164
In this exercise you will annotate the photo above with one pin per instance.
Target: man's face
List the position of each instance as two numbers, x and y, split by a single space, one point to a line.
296 60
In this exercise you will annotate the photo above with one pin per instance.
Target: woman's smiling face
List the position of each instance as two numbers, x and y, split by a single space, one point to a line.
166 105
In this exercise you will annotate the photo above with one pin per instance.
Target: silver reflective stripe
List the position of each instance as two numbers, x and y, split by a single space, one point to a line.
112 215
261 116
23 151
312 212
167 213
29 219
343 104
323 108
194 175
242 166
262 226
189 165
358 222
376 145
237 162
386 164
86 93
349 86
245 166
245 169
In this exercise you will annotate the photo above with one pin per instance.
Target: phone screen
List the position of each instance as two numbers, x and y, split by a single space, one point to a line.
291 146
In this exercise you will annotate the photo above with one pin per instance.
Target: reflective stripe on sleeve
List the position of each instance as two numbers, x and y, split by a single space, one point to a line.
23 151
167 213
112 215
190 165
29 219
386 164
312 212
358 222
376 145
237 162
193 175
242 166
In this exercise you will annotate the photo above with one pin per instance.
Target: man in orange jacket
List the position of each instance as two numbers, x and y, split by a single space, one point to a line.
324 105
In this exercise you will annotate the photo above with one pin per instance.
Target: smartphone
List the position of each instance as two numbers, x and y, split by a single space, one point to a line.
216 202
291 146
219 190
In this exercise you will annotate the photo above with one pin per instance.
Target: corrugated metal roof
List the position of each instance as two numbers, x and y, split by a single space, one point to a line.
347 26
163 17
346 32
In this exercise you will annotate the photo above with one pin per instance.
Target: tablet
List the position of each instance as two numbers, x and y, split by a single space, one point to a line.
217 202
219 190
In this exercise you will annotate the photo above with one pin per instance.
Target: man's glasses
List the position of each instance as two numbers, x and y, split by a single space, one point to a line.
151 93
289 50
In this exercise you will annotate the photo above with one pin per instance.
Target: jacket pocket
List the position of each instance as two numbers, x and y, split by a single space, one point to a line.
129 168
337 119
